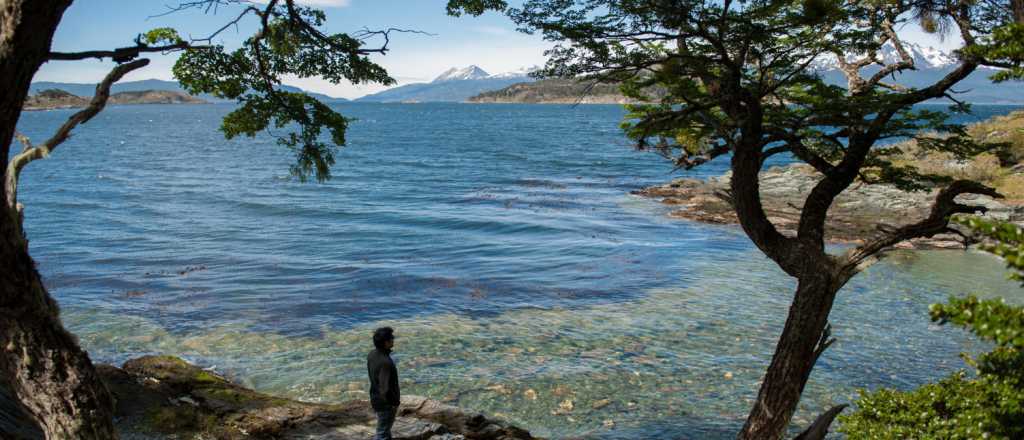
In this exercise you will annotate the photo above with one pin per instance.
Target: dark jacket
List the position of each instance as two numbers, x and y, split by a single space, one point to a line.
383 380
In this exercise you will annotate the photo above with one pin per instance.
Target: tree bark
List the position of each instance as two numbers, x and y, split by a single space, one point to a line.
795 355
54 387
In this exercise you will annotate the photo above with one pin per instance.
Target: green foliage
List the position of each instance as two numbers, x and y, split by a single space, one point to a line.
161 35
990 320
289 43
1003 239
957 407
474 7
737 73
986 404
1006 45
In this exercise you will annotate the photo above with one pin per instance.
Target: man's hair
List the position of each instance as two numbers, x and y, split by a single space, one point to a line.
382 335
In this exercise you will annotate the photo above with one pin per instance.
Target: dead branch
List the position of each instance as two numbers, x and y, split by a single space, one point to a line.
34 152
937 222
819 429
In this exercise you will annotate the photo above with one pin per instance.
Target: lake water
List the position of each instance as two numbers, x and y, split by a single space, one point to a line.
499 240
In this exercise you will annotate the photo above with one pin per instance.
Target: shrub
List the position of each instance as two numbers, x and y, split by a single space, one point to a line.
987 403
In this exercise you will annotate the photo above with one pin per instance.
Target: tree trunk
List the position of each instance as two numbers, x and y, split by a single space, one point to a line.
795 355
47 383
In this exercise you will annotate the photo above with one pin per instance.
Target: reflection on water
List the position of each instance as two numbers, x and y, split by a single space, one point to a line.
671 363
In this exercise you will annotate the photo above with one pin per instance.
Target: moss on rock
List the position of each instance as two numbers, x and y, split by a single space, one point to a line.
165 394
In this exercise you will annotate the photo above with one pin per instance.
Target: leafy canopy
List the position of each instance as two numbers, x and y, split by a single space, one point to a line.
288 42
740 72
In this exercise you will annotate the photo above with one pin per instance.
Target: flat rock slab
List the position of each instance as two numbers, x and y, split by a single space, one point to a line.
166 397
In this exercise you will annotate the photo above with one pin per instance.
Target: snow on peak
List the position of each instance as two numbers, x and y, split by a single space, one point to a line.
455 74
925 57
521 72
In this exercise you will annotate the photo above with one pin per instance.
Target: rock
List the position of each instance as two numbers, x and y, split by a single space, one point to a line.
854 215
499 388
448 437
600 403
416 429
161 396
566 405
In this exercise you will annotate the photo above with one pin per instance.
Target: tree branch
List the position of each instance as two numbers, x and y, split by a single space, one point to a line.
937 222
121 54
31 153
819 429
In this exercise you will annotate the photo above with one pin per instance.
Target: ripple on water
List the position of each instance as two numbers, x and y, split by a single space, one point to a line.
502 243
683 362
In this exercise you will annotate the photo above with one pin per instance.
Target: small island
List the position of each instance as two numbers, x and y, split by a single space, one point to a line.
52 99
555 91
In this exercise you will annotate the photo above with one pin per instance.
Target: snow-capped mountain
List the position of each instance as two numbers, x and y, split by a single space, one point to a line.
453 85
930 65
521 72
465 73
925 57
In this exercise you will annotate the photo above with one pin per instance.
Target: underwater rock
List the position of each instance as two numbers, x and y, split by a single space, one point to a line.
165 395
566 405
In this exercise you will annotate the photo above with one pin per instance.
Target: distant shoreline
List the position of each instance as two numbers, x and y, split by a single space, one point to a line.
55 99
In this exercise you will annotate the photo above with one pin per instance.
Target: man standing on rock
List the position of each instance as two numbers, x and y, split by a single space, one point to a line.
384 394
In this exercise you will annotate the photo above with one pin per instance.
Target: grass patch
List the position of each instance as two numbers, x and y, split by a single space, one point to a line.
995 169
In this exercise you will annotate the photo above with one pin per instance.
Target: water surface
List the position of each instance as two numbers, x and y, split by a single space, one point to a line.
500 240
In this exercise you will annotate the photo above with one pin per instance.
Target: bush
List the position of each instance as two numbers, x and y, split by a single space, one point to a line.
987 403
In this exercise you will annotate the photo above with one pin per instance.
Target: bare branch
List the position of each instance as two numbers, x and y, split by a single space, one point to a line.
31 153
819 429
121 54
937 222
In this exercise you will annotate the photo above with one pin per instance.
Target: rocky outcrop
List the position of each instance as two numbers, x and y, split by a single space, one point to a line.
54 99
159 396
154 97
556 91
57 99
855 215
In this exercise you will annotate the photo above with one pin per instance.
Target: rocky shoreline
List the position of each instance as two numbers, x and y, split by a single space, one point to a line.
855 215
166 397
59 99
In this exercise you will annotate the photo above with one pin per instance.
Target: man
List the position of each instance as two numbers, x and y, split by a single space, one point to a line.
384 395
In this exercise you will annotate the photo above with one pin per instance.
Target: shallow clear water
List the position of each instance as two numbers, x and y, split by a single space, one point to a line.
500 241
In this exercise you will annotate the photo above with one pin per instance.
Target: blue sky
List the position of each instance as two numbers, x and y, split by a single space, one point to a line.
489 41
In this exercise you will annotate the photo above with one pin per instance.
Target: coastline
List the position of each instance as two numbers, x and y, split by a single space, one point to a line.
855 215
162 395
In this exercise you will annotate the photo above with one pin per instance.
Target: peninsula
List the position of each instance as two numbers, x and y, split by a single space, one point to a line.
57 99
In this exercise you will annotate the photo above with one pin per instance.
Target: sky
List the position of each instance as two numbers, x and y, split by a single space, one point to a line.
489 41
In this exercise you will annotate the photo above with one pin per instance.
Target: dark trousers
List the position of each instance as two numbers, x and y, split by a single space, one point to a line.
385 419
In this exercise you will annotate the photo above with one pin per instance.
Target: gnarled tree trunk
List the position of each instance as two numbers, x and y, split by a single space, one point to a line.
48 383
795 354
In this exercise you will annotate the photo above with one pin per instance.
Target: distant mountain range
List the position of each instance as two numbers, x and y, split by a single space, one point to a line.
925 57
931 65
87 90
454 85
